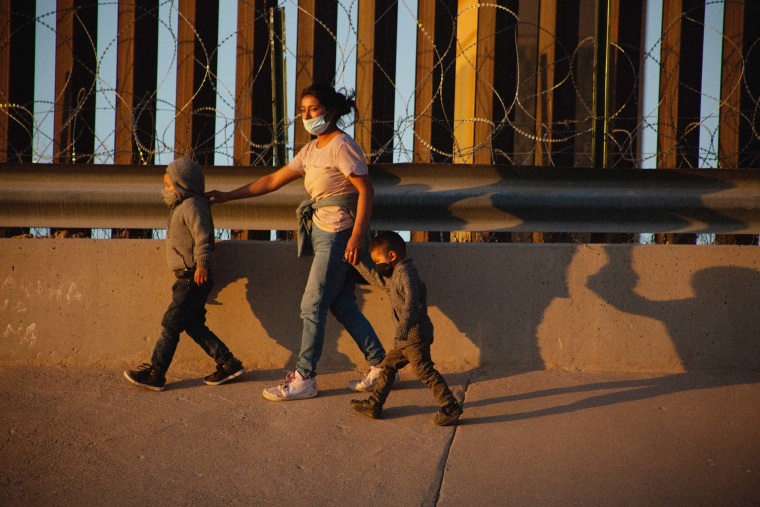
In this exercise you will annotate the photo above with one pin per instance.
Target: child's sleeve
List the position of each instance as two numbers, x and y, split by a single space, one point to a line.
201 227
370 275
408 311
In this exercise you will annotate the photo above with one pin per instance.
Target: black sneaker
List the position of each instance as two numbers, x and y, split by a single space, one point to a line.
367 407
228 370
448 414
146 376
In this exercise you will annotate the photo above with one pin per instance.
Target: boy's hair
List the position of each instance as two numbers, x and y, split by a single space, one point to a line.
389 241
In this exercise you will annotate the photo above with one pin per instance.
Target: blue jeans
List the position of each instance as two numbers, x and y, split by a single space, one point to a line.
331 286
187 312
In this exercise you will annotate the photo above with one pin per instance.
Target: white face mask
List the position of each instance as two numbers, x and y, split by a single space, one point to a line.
169 198
315 126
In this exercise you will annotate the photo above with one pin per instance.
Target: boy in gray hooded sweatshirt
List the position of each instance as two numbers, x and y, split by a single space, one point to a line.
189 247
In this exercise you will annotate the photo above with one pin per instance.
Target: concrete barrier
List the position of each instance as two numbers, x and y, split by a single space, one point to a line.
659 308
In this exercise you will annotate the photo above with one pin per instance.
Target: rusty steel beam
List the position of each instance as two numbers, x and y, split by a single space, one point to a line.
425 62
749 131
525 105
197 39
75 81
254 120
504 82
563 96
17 42
245 74
739 144
547 19
679 113
6 29
434 89
678 138
690 81
670 56
375 78
466 51
484 85
731 85
137 41
440 197
626 28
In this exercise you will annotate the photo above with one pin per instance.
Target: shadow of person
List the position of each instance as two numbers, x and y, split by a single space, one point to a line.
274 305
603 394
715 329
497 295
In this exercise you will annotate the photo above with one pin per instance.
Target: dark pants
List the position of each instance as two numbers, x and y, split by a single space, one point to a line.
187 312
418 355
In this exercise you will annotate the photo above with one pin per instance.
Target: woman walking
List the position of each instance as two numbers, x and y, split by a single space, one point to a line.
333 227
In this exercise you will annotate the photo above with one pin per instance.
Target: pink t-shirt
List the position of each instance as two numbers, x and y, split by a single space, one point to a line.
325 171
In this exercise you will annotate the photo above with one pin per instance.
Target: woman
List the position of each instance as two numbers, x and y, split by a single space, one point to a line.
334 226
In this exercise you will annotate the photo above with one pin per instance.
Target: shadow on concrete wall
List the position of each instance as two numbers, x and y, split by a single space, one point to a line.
273 302
694 323
498 301
516 299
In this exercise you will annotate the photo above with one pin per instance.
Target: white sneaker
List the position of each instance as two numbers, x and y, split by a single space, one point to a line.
295 387
367 384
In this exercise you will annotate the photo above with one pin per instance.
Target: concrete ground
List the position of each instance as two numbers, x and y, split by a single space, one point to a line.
84 436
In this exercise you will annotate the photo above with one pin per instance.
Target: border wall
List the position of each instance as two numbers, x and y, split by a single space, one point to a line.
658 308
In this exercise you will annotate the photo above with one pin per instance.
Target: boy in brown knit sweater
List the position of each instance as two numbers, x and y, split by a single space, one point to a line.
398 277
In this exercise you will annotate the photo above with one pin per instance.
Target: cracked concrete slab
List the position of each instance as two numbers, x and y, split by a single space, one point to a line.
84 436
561 438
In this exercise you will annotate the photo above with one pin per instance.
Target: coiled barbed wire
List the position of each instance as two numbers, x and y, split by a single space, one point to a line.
516 113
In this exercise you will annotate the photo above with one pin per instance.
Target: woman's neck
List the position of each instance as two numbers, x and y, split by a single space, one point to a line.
324 138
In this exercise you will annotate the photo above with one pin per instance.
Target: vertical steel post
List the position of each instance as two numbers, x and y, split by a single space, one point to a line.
75 81
375 78
279 99
17 39
434 90
601 84
136 84
198 34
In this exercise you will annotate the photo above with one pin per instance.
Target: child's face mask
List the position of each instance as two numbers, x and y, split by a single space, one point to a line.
168 195
384 269
315 126
169 198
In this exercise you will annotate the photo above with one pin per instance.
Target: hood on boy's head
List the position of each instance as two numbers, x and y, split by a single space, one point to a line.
187 177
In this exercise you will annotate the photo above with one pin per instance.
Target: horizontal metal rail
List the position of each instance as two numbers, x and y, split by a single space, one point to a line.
431 197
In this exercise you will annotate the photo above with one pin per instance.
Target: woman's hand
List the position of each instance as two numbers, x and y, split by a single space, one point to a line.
216 197
354 249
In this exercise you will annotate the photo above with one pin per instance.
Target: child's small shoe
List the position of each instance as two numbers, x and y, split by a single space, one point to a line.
368 382
147 376
448 414
225 371
367 407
